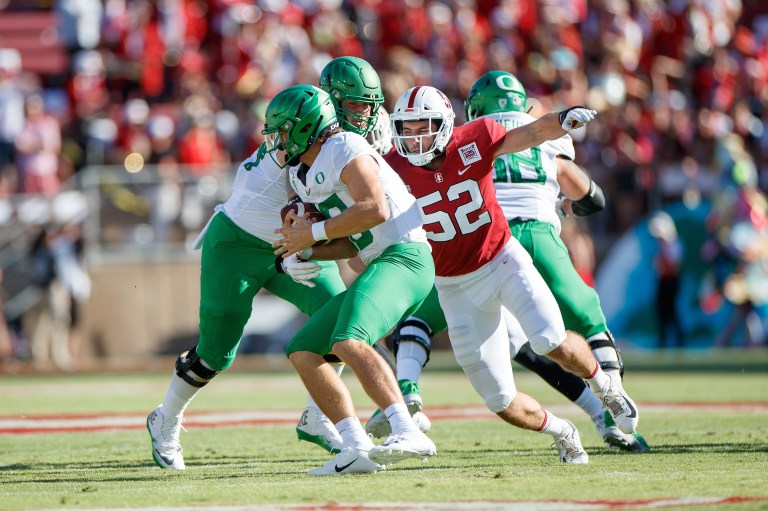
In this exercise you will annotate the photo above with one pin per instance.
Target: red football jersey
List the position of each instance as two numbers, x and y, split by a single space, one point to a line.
464 222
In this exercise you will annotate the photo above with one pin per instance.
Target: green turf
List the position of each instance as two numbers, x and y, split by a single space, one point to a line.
721 453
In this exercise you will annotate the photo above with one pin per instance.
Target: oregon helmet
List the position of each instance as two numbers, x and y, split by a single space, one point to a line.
495 92
295 118
353 79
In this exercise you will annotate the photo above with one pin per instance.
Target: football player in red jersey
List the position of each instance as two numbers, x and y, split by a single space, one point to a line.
481 268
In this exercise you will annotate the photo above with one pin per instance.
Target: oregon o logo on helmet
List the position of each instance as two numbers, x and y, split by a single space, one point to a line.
320 178
505 82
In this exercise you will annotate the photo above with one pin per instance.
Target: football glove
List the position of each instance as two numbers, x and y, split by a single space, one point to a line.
299 270
576 117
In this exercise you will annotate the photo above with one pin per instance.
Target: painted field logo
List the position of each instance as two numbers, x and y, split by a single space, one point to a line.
469 154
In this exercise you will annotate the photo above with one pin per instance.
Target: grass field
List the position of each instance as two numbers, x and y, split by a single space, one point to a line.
708 430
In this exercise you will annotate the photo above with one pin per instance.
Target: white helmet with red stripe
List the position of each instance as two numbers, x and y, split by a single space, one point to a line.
422 103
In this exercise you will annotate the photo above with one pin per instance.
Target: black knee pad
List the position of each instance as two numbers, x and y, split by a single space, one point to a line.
568 384
190 369
609 343
398 336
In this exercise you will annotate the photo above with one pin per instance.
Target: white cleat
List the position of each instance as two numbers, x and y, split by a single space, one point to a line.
569 447
348 461
166 448
315 427
621 407
378 426
422 421
412 444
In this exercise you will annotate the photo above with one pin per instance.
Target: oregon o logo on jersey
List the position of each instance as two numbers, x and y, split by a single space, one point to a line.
320 178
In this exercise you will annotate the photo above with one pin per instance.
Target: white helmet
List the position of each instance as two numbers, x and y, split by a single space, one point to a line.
380 137
419 104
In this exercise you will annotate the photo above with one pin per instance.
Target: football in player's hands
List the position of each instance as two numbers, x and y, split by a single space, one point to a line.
302 210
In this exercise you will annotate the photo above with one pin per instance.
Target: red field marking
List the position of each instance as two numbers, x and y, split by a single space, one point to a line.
523 505
79 422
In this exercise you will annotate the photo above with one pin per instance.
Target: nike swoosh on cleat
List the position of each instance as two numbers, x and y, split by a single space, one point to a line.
342 469
167 461
632 415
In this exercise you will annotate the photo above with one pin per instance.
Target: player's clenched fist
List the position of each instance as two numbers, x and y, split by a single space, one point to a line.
576 117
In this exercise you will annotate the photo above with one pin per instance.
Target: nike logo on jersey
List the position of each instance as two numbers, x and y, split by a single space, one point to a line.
344 467
461 172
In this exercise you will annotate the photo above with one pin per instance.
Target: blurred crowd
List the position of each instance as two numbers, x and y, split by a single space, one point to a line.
187 81
681 85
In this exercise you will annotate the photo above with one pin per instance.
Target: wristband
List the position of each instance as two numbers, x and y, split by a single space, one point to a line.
318 231
306 254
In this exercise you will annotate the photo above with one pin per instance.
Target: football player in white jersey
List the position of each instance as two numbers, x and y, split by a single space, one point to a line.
371 214
237 261
355 89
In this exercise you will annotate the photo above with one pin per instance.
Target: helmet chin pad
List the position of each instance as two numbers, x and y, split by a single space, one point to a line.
421 160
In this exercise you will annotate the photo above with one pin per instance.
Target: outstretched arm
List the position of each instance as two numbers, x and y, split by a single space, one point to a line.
549 126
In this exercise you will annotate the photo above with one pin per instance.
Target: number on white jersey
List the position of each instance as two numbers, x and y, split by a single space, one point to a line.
333 206
443 218
522 167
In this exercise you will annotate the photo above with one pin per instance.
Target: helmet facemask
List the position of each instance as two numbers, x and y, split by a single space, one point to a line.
424 150
380 137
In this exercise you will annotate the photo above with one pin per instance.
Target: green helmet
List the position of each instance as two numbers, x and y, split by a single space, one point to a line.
353 79
295 118
495 92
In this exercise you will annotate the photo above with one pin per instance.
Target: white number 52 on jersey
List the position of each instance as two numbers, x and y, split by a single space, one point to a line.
461 216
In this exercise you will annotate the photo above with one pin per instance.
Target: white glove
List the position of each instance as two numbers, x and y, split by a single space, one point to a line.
299 270
576 117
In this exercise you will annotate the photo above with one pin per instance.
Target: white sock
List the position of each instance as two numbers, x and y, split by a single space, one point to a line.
554 425
399 418
311 402
353 435
599 382
589 402
178 397
411 358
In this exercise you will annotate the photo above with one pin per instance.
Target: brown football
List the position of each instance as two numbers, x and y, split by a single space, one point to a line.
300 208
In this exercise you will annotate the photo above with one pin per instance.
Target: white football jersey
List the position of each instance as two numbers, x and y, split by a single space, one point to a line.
323 187
259 192
526 182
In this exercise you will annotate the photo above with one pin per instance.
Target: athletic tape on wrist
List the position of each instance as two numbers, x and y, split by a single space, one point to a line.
318 231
